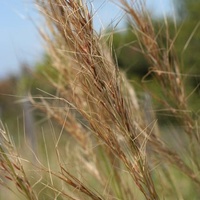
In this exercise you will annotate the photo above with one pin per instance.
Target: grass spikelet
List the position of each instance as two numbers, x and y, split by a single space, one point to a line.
105 144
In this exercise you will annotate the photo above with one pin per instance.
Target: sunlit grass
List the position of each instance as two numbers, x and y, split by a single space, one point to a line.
102 140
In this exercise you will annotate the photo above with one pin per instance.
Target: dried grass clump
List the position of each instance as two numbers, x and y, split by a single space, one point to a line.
164 65
90 85
11 168
114 152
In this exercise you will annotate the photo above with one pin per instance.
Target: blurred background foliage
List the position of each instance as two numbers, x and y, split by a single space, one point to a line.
186 34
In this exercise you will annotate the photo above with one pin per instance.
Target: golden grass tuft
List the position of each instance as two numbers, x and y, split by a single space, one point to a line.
114 152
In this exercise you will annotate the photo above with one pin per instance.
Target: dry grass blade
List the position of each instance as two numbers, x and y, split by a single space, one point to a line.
108 145
164 64
166 69
91 82
11 167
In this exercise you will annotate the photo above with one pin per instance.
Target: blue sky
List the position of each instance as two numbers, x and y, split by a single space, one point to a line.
20 42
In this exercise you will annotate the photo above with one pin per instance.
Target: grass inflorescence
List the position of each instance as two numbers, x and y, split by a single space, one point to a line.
106 148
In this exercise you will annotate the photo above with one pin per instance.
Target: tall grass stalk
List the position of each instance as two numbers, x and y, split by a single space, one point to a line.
114 153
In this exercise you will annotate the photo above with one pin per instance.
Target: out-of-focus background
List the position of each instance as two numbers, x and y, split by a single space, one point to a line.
22 54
